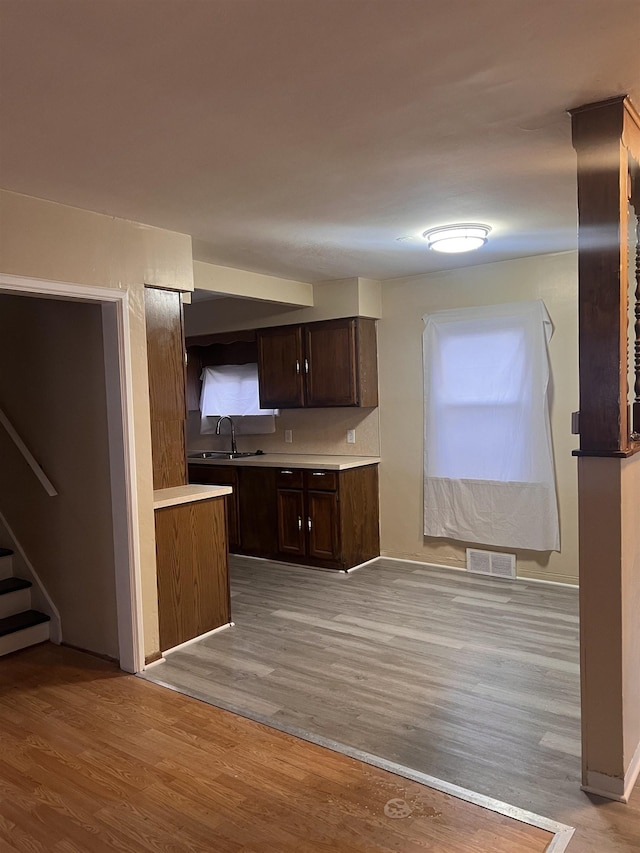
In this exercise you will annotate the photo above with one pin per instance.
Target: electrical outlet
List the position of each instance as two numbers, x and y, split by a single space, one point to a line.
351 436
288 436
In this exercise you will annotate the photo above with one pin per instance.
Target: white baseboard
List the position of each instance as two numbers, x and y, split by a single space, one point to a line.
422 563
631 775
448 567
194 640
306 565
155 663
548 582
602 785
19 640
361 565
614 787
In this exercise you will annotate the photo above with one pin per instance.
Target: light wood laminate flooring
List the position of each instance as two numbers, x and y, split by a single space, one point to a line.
94 761
468 679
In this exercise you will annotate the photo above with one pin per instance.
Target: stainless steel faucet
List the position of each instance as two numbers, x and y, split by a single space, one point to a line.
234 449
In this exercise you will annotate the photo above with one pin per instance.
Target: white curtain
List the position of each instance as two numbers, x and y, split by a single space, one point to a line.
232 389
488 459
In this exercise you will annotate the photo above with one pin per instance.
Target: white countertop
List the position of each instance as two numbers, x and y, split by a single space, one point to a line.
187 494
291 460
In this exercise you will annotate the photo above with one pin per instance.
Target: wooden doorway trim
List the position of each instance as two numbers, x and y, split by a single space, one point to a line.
124 489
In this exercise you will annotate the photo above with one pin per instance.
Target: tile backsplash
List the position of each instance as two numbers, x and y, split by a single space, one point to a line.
322 431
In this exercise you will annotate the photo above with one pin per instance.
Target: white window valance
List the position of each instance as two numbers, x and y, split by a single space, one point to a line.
488 459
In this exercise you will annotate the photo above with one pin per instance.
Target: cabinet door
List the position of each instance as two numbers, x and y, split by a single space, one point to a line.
280 367
258 511
222 475
322 525
359 515
330 366
192 570
291 522
194 385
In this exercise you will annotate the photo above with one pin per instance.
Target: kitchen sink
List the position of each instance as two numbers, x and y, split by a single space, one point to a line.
223 454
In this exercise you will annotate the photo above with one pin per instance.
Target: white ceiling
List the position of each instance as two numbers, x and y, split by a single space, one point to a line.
302 137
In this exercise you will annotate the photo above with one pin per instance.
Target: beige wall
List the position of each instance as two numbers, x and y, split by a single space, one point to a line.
41 239
552 278
313 431
402 303
52 355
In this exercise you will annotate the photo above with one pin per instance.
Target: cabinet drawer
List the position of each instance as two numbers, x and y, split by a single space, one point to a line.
323 481
216 475
289 478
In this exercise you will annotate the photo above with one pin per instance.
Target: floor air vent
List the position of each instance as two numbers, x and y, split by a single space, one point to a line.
491 563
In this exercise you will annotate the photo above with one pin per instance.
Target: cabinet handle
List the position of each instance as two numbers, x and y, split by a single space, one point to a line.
298 366
309 523
306 365
299 522
286 471
317 473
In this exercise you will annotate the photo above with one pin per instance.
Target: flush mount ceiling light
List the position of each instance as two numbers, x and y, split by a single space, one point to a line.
457 238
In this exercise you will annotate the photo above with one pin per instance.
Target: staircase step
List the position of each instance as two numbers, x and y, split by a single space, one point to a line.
13 585
22 630
6 563
15 596
20 621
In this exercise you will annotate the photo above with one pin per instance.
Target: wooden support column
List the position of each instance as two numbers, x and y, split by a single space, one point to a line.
606 137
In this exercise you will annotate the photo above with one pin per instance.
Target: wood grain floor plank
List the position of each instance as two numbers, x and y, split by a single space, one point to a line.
108 762
470 679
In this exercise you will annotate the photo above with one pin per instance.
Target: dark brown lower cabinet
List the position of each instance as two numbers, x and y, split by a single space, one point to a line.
308 525
328 518
314 517
258 520
222 475
192 570
251 508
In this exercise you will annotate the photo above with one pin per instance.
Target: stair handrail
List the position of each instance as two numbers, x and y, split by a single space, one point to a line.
22 447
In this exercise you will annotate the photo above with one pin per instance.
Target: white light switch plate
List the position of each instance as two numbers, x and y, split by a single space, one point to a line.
351 436
288 436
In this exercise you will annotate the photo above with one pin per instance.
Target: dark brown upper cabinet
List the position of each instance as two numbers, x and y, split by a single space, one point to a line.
330 363
280 367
